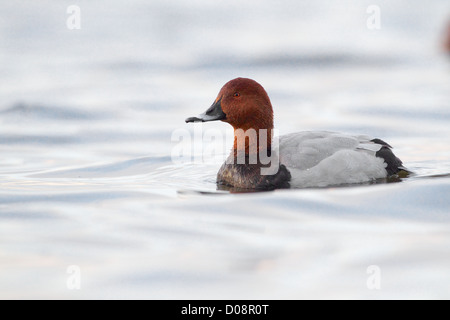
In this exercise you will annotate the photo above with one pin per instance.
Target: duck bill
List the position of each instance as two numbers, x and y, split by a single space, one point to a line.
214 113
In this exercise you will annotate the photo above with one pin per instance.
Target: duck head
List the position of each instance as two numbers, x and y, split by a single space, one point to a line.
243 103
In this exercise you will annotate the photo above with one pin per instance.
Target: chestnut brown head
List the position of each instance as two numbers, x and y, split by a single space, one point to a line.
241 102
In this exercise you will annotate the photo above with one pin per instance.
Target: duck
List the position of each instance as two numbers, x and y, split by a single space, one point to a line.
446 43
307 159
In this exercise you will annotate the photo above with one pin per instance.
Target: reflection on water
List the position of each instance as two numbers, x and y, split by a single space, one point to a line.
87 178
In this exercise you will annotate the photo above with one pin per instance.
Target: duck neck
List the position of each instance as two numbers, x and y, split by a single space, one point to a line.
252 141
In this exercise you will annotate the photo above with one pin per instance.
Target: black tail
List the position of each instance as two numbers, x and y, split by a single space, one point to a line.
394 164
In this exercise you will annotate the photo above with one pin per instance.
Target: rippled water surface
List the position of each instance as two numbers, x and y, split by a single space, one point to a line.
88 176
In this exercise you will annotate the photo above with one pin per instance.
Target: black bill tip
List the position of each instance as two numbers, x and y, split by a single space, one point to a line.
194 119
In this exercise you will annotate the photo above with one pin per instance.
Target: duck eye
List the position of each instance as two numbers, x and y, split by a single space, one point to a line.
236 94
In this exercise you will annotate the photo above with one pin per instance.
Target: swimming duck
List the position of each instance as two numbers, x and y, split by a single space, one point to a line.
303 159
447 39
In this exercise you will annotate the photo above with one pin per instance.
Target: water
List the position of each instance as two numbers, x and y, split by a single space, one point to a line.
87 177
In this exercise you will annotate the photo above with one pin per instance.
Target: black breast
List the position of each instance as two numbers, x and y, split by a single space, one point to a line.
248 176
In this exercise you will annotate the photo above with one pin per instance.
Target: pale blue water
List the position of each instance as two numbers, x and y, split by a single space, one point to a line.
87 177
